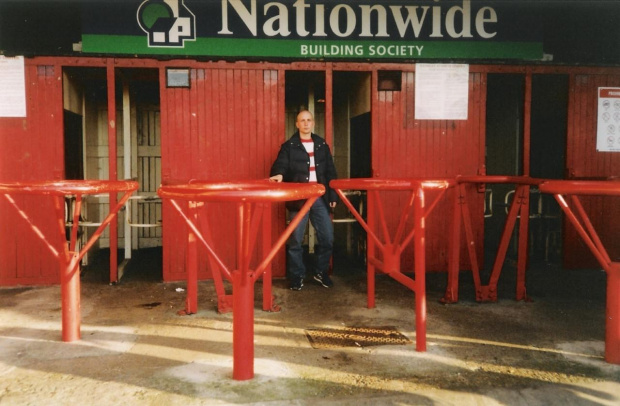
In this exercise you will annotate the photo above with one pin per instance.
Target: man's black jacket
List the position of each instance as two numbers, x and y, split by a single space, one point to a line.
293 163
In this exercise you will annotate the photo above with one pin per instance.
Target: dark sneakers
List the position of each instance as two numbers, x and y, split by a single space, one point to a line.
296 284
324 280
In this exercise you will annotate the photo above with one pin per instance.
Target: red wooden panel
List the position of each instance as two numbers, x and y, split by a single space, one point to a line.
32 149
405 147
583 161
229 128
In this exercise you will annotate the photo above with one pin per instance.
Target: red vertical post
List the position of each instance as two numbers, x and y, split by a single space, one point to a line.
612 319
243 301
329 109
490 291
243 327
452 288
191 299
112 167
69 281
266 246
370 251
524 222
420 272
70 297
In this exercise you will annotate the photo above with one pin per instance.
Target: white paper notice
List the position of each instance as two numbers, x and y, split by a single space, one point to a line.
441 91
13 85
608 123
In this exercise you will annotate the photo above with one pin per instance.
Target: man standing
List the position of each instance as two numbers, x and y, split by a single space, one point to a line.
306 157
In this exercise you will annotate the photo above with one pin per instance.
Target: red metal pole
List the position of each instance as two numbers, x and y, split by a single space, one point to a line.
452 287
524 222
268 304
112 167
489 292
243 326
470 241
191 299
243 301
420 272
612 319
370 252
70 298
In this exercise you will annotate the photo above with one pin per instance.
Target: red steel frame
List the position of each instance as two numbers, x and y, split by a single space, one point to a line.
69 259
247 197
580 220
391 248
461 213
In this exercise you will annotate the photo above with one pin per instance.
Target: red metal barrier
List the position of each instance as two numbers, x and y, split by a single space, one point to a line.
392 246
68 258
580 220
461 214
247 196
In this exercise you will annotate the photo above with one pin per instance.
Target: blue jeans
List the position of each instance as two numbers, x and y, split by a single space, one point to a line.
322 223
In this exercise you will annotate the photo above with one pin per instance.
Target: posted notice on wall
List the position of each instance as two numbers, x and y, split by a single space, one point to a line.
608 124
441 91
13 85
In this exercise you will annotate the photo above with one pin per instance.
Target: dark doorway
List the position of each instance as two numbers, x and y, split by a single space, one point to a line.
352 134
548 131
504 152
504 124
360 146
548 161
74 146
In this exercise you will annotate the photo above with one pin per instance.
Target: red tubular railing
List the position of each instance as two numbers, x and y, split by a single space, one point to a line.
247 196
392 246
68 258
462 215
580 220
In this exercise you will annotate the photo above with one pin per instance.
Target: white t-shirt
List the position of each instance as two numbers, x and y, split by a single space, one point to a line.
309 146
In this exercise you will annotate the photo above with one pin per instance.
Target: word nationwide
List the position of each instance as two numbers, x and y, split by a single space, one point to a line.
361 20
308 50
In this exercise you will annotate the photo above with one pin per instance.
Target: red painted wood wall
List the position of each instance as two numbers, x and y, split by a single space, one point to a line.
227 126
405 147
31 148
584 162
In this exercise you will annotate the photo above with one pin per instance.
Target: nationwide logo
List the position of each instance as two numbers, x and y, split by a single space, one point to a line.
168 23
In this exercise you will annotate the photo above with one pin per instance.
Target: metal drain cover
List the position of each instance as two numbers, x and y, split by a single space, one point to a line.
355 337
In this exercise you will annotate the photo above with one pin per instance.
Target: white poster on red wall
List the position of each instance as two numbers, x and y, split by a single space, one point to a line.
608 123
441 91
13 85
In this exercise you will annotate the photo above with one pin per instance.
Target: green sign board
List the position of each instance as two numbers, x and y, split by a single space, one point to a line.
313 30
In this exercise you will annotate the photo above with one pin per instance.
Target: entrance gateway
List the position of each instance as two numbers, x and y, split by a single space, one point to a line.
349 128
139 149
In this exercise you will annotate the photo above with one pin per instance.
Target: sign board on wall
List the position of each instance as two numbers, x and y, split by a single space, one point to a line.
441 91
314 29
608 123
13 85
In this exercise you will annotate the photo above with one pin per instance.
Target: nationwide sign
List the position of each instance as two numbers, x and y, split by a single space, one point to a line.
314 29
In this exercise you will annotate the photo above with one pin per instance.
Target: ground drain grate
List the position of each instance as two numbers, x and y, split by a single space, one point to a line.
355 337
